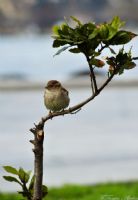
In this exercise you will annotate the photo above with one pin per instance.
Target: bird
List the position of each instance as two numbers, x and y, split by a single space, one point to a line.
56 97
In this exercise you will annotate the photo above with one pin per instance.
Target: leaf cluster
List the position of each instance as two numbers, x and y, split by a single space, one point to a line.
25 180
87 37
91 39
122 61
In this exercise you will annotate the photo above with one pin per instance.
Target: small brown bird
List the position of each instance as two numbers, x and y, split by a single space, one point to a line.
56 97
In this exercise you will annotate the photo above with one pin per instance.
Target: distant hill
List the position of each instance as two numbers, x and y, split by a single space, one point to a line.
16 16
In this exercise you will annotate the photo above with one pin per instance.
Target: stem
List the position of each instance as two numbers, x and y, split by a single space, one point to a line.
102 48
38 162
26 191
106 82
93 78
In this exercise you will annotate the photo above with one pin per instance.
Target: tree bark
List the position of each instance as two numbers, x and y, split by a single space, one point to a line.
38 162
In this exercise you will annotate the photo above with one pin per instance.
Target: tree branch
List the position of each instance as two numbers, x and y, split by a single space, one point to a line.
107 81
38 132
38 162
74 108
92 76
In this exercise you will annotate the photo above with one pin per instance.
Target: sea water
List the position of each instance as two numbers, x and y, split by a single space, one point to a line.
97 144
32 57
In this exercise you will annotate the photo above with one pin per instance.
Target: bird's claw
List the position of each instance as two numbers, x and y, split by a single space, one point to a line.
50 114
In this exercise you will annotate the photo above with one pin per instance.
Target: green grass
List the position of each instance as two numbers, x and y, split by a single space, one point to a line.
109 191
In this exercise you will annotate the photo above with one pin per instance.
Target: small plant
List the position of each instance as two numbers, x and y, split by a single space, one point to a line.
90 39
25 180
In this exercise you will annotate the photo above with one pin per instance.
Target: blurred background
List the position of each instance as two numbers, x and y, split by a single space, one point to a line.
99 144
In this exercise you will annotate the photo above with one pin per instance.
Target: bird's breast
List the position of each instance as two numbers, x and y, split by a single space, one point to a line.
55 100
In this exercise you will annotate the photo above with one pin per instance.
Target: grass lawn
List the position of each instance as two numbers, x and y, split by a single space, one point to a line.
109 191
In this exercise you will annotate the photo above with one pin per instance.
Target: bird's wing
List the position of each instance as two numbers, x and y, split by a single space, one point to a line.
66 91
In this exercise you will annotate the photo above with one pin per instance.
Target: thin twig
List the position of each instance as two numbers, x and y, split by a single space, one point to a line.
93 78
135 58
92 83
75 112
102 48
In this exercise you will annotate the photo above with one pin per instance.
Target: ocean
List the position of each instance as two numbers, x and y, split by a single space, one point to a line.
31 56
98 144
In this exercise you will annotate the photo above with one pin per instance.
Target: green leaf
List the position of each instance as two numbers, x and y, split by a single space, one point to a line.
103 31
11 179
22 174
112 32
11 170
29 172
112 51
27 176
75 50
113 28
90 27
130 65
61 50
121 71
61 42
56 29
56 43
44 190
76 20
94 34
94 53
116 23
122 37
65 30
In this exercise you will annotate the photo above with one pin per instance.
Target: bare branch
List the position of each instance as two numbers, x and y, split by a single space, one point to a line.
32 141
33 130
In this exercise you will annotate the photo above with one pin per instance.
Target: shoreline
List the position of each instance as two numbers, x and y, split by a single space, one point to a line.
78 83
